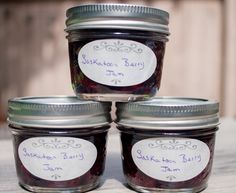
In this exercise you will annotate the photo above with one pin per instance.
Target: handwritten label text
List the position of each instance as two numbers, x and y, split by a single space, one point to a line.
117 62
171 159
57 158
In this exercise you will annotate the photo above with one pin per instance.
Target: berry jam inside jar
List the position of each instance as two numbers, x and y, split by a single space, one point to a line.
168 143
59 142
116 51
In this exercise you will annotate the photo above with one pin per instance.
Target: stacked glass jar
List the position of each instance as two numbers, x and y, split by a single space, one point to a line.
116 54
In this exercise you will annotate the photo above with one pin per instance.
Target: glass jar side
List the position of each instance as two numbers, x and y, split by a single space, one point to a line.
86 88
140 181
56 139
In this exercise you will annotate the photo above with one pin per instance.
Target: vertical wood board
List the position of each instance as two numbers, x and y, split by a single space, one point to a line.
34 56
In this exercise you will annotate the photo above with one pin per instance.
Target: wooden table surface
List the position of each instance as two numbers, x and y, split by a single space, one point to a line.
222 180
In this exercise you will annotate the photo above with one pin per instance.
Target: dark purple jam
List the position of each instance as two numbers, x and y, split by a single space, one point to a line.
87 181
136 178
83 85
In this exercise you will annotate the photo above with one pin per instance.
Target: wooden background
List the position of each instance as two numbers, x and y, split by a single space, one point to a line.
200 59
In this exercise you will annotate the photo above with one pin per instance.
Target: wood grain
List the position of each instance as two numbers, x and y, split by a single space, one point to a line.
229 62
199 60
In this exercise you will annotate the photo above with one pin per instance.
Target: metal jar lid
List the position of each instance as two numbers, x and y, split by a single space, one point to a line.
58 112
117 16
169 113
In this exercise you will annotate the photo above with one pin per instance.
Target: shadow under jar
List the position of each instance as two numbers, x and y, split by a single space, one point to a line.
59 142
116 51
168 143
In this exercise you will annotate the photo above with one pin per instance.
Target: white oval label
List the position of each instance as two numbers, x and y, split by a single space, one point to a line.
57 158
171 159
117 62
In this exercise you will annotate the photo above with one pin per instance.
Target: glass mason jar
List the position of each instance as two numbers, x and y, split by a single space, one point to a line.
168 143
59 142
116 51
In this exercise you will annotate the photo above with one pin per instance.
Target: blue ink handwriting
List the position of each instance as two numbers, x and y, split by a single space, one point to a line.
103 63
127 63
38 156
151 158
95 61
67 156
113 73
168 169
48 167
186 159
168 161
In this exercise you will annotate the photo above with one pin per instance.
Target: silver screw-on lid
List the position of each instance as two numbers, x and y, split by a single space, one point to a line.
58 112
169 113
117 16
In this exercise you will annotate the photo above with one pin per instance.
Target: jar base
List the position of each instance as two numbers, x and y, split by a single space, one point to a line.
79 189
162 190
113 97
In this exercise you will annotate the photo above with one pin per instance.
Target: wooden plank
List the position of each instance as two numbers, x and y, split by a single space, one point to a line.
229 65
193 57
34 56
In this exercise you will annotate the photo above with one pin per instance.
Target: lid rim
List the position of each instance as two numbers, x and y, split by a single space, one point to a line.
91 13
49 111
59 127
167 112
111 7
172 128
